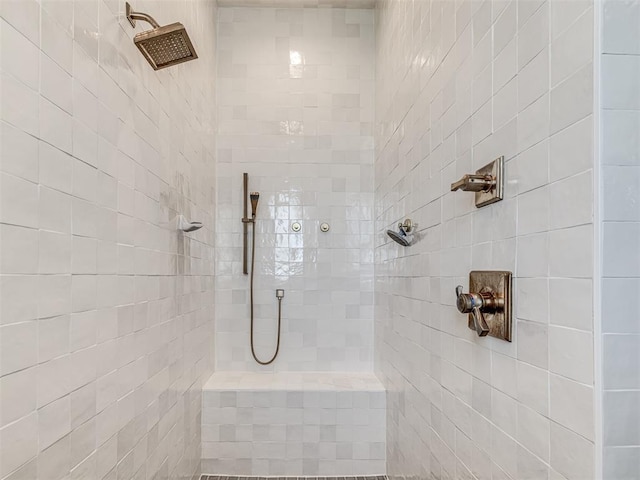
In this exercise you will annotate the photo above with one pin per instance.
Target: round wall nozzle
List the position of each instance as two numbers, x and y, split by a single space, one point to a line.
400 238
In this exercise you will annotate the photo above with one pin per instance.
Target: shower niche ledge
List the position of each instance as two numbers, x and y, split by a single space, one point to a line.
293 424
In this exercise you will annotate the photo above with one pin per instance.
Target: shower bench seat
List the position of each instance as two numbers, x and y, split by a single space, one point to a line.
293 424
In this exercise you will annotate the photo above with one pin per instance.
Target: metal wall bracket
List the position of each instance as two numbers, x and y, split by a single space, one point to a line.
487 183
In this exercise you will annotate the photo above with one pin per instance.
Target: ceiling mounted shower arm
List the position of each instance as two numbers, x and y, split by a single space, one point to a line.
133 16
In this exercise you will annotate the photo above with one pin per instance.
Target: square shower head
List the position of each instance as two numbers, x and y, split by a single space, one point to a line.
166 46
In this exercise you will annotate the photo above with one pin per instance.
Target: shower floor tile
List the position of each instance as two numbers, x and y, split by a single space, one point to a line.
225 477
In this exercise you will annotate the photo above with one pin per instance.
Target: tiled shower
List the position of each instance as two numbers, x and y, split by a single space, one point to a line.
125 350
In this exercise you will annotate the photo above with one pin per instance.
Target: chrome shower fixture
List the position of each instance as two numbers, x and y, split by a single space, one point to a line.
404 235
162 46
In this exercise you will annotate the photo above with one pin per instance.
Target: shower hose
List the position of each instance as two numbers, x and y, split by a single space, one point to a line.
253 262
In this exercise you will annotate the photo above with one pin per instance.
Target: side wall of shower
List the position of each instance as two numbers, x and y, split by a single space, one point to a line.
620 202
295 95
106 331
459 84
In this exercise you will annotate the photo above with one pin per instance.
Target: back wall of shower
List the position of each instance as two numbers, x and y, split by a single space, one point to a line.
296 94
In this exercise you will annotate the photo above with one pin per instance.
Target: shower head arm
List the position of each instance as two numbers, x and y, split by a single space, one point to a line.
133 16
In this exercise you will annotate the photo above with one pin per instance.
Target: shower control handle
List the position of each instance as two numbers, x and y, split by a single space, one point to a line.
476 304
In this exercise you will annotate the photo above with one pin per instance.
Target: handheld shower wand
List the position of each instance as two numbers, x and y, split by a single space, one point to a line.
254 196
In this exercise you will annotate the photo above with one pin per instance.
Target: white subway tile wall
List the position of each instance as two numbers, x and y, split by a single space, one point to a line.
620 186
294 424
459 84
295 103
106 330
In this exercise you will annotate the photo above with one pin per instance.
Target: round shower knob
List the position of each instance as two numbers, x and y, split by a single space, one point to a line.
296 227
324 227
466 302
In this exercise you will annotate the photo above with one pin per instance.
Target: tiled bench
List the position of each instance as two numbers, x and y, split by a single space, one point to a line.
293 424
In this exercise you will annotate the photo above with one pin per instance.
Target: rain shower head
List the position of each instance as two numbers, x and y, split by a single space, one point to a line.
162 46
